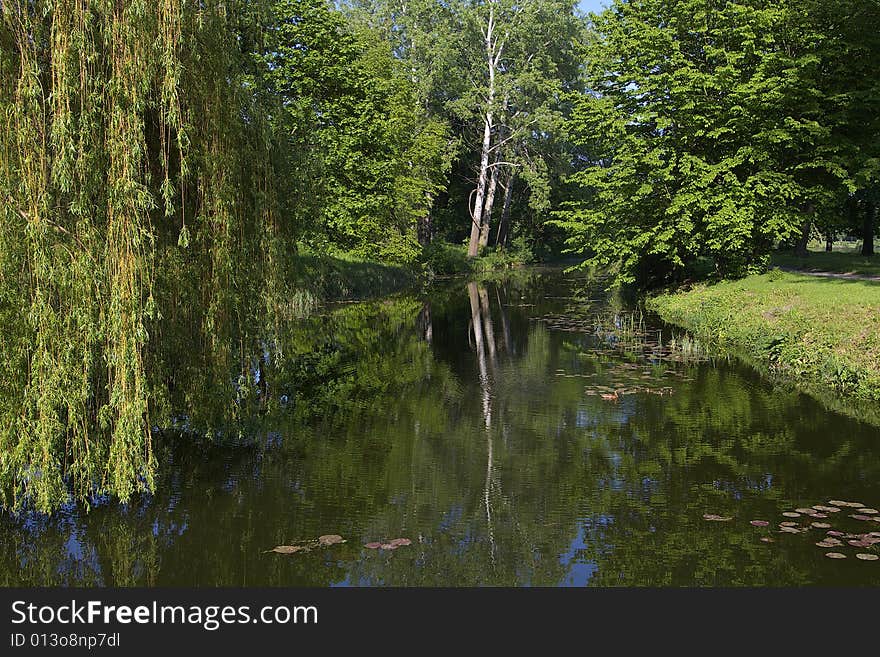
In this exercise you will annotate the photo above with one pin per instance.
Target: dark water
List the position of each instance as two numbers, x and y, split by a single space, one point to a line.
493 451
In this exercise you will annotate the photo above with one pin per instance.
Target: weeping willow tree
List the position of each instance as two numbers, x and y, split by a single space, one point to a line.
137 169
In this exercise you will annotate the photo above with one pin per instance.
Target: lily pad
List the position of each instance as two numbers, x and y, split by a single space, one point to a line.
868 511
806 510
759 523
837 503
330 539
373 545
861 544
834 532
791 514
835 555
832 542
820 525
767 539
388 546
790 530
788 523
287 549
827 544
864 556
399 542
716 518
859 516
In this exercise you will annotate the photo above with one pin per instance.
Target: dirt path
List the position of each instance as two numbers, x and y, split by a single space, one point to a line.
832 274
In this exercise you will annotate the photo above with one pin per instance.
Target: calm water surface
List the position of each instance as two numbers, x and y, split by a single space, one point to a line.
481 422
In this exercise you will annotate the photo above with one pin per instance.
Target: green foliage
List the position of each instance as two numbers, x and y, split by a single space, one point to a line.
375 162
710 130
440 258
136 168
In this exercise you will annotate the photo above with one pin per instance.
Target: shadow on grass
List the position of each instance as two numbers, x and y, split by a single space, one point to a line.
339 279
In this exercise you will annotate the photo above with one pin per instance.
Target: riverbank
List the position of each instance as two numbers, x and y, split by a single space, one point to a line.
821 334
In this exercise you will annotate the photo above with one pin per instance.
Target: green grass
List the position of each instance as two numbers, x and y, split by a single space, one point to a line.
822 334
839 262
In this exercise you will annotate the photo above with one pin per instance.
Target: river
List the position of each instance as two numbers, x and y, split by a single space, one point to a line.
528 431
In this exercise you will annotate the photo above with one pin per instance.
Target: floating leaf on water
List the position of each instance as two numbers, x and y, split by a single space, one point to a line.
767 539
858 516
374 545
788 523
868 511
837 503
790 530
398 542
791 514
818 515
716 518
820 525
287 549
867 557
330 539
806 510
854 505
835 555
827 544
759 523
834 532
388 546
859 543
832 542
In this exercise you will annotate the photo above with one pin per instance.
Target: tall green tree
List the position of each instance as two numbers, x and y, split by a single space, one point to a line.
707 132
373 164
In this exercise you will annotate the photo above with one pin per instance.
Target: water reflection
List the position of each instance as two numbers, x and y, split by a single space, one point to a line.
464 420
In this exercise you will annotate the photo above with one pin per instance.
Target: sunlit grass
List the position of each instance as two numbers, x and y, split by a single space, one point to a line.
821 333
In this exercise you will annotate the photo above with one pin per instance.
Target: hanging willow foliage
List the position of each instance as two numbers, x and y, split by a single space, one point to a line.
136 174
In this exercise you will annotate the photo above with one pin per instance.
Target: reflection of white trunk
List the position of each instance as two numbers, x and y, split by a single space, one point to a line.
505 325
482 322
490 462
487 325
477 324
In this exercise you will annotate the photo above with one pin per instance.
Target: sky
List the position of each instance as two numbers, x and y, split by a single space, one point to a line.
592 5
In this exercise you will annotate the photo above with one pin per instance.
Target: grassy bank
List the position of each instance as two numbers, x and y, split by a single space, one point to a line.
821 334
343 278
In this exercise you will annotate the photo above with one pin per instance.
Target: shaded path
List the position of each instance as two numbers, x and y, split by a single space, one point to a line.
832 274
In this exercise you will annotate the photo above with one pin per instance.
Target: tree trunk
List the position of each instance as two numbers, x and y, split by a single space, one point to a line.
477 213
490 203
493 53
800 248
868 222
504 224
424 228
829 242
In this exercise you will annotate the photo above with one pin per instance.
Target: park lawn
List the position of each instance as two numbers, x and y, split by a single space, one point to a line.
822 334
844 263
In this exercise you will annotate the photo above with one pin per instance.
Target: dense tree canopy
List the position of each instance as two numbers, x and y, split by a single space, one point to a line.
713 129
